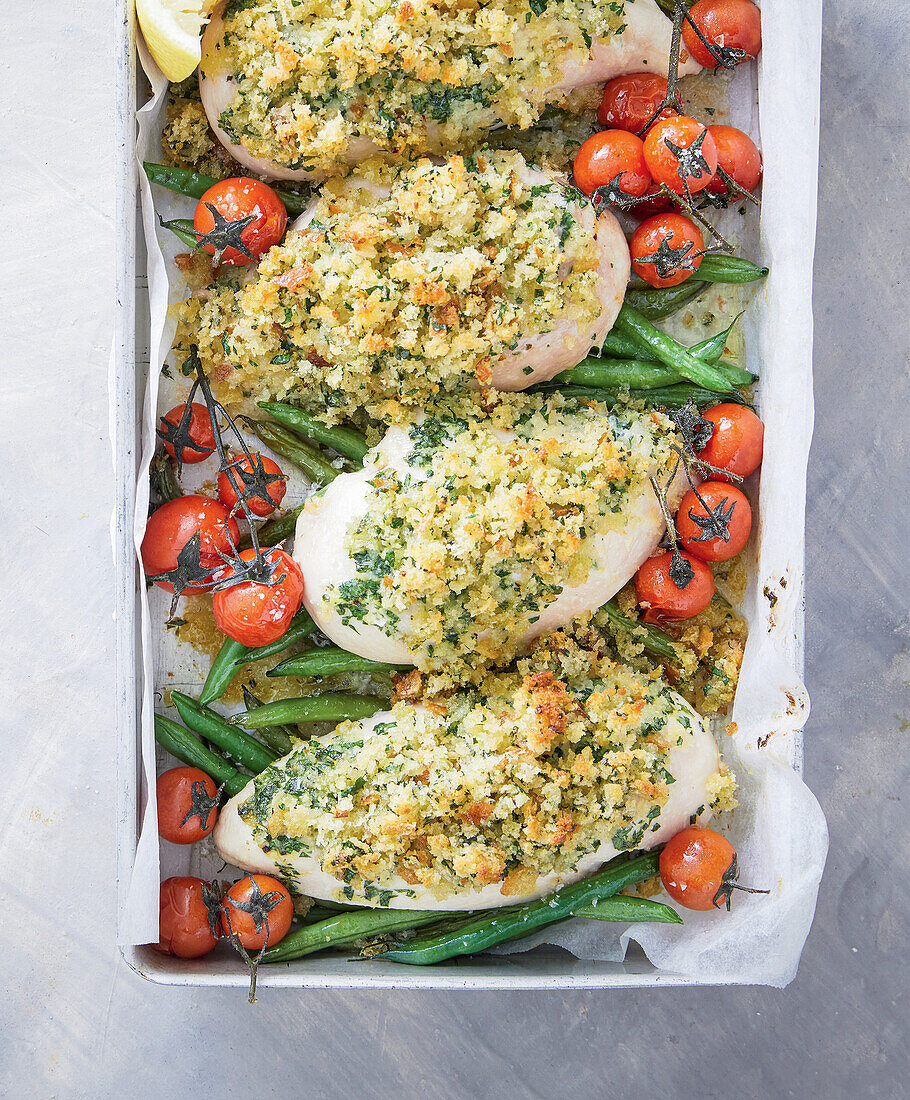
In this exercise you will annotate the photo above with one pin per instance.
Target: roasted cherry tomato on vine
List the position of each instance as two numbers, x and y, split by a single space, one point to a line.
257 910
196 442
739 157
714 521
170 528
187 805
609 154
660 595
184 928
256 612
736 442
241 218
699 869
666 249
641 211
680 153
270 473
726 24
629 102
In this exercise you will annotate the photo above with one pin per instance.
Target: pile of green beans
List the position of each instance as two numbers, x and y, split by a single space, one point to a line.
195 185
306 458
634 326
181 743
331 661
233 654
245 750
346 441
484 930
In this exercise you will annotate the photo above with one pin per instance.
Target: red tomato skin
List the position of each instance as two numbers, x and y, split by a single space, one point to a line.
739 157
174 795
608 154
725 23
241 923
183 925
714 493
629 102
658 205
201 433
256 614
737 442
170 528
256 505
237 198
657 592
663 163
693 864
676 229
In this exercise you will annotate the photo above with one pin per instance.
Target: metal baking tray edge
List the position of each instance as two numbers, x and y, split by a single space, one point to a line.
542 968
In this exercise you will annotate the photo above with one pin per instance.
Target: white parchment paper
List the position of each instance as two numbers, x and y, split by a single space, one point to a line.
779 830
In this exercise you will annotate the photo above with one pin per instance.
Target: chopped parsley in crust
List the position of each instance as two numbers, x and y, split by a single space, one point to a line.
311 78
522 777
381 301
490 519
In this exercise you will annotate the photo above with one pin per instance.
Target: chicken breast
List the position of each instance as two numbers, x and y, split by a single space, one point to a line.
404 282
541 356
319 92
396 839
475 568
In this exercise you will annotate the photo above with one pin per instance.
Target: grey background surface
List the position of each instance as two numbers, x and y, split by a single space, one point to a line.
75 1022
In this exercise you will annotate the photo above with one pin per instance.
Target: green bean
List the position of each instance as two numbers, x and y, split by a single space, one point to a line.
618 347
485 930
637 374
238 745
658 303
329 662
669 397
629 910
333 707
314 464
276 737
164 480
183 230
720 268
713 348
275 531
181 743
631 323
654 641
345 441
232 655
195 185
346 928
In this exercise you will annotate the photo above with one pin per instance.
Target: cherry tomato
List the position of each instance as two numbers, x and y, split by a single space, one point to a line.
739 157
258 910
720 535
661 597
254 612
234 200
275 490
697 162
734 23
736 442
698 868
629 102
183 922
609 154
647 209
170 528
666 249
201 438
187 805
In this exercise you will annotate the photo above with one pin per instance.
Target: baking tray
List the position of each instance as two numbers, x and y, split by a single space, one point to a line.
792 36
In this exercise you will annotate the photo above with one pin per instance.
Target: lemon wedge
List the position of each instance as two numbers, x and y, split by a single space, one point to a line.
171 29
